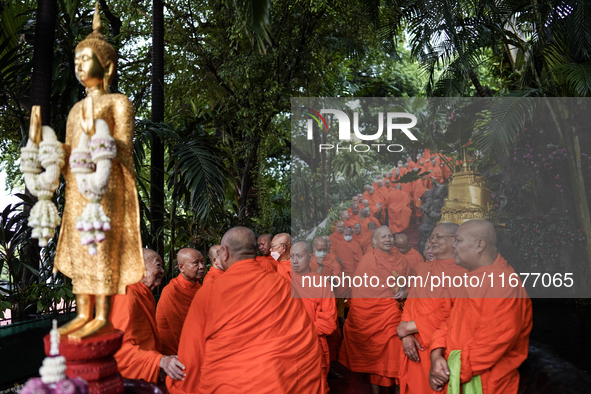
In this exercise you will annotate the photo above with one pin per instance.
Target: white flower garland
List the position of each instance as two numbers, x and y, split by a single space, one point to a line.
49 154
91 162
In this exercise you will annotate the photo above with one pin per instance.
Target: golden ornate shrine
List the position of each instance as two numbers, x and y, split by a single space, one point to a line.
467 198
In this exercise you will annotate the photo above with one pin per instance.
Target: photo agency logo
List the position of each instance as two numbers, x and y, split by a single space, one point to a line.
395 122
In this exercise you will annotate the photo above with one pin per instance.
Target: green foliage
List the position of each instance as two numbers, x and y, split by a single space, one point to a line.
541 240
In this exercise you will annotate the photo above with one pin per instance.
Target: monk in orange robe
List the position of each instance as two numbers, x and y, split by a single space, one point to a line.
418 189
411 164
216 270
318 301
348 220
398 210
280 251
176 297
357 236
427 154
325 262
354 201
491 333
135 314
366 217
349 252
337 237
436 175
366 239
370 342
425 311
354 214
244 333
265 260
382 193
396 175
414 258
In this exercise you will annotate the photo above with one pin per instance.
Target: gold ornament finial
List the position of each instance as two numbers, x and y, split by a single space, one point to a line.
96 19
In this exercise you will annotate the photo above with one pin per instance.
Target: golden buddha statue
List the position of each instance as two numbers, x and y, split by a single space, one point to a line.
115 261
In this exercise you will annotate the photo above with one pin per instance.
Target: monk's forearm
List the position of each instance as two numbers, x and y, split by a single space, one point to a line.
436 353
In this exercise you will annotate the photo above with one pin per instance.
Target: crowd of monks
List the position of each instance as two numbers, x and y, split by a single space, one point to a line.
254 326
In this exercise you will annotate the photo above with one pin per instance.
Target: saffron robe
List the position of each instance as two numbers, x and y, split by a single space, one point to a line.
322 310
268 263
212 275
492 333
244 333
370 341
135 314
171 311
398 211
428 309
284 269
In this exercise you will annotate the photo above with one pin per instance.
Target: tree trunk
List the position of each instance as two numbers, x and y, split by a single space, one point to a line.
157 161
43 57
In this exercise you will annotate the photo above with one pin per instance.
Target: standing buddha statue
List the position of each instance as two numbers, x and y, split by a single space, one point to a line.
103 254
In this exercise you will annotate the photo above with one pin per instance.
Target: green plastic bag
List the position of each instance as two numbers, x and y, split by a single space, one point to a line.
474 386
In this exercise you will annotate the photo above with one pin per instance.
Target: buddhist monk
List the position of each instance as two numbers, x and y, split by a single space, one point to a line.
491 334
349 252
370 342
411 164
425 311
318 301
413 257
337 237
265 260
436 175
366 217
354 215
280 251
366 239
324 262
244 333
357 236
398 210
135 314
216 269
176 297
354 201
346 219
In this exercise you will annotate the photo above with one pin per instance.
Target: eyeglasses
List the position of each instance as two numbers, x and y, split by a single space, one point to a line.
438 237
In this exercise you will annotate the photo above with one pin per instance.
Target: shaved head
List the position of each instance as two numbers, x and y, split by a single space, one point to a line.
402 243
320 243
239 243
191 264
475 244
154 271
281 244
301 255
213 257
382 239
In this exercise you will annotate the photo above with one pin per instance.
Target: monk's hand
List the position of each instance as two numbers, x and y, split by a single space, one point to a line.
410 344
439 374
173 367
406 328
401 295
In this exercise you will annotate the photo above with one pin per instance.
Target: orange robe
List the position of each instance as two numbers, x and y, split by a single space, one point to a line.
350 253
331 268
268 263
492 333
427 154
135 314
284 269
418 189
366 242
335 239
437 174
365 222
172 308
358 238
398 211
212 275
321 307
246 334
415 259
370 342
428 309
